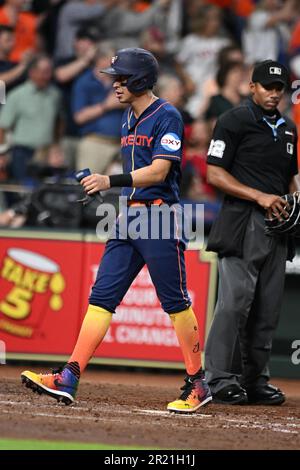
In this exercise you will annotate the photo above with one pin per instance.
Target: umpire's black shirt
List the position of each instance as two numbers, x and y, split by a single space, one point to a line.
257 151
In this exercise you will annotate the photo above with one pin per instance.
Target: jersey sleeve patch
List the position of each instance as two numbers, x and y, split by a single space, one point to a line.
171 142
216 148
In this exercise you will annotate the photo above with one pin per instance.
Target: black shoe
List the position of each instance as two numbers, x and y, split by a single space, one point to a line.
231 395
265 395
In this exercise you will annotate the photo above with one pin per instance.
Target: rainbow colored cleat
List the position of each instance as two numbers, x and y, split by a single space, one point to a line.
60 384
196 393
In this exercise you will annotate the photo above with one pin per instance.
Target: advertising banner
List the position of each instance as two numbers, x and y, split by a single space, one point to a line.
44 289
40 285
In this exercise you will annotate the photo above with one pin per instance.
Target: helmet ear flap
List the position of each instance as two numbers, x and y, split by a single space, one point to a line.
137 85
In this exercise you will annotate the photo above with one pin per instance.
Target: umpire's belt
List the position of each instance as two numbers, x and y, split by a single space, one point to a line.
155 202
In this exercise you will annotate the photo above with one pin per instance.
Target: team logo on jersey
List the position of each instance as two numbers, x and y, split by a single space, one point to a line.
290 148
171 142
216 148
139 140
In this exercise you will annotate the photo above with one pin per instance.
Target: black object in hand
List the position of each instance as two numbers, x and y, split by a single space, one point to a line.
88 197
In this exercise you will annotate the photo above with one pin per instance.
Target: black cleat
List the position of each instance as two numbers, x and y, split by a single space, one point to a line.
231 395
265 395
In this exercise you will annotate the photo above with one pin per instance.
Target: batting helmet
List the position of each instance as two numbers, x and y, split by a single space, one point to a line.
291 224
139 65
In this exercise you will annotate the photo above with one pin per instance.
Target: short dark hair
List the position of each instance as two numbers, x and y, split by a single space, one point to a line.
198 22
225 52
4 28
224 70
36 60
87 33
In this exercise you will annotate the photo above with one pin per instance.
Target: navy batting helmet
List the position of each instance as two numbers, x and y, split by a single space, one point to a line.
139 65
290 224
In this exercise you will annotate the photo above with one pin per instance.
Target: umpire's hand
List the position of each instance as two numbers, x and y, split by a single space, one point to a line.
274 205
95 182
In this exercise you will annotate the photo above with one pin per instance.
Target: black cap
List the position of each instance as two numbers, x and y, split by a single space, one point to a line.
270 71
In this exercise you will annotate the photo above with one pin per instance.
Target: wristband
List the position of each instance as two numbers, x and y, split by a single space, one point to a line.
124 180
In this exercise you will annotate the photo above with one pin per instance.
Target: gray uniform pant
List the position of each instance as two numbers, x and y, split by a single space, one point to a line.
247 311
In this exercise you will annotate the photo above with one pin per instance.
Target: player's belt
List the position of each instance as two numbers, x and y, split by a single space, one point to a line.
155 202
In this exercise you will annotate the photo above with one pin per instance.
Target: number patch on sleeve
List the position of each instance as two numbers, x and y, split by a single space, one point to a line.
216 148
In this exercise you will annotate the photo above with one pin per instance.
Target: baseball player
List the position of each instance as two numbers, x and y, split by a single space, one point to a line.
152 133
253 159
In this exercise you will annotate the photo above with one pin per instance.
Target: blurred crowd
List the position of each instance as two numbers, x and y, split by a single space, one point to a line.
59 114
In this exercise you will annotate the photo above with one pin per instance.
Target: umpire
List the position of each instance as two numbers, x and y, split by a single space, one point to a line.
252 159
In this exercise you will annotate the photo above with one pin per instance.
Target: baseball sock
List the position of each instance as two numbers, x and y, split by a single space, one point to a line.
186 328
94 327
74 368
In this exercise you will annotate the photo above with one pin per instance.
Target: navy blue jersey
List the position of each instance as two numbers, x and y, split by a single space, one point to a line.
157 133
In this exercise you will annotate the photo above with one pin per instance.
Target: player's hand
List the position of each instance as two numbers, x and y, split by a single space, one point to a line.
27 57
95 182
274 205
90 54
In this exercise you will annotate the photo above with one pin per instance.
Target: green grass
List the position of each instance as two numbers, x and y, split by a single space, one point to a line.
20 444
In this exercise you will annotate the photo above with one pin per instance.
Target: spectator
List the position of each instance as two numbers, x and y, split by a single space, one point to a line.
12 73
31 113
123 25
70 20
230 53
294 44
98 113
154 40
48 11
174 25
229 79
169 87
194 164
267 35
24 24
199 50
29 208
294 55
195 187
242 9
66 73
